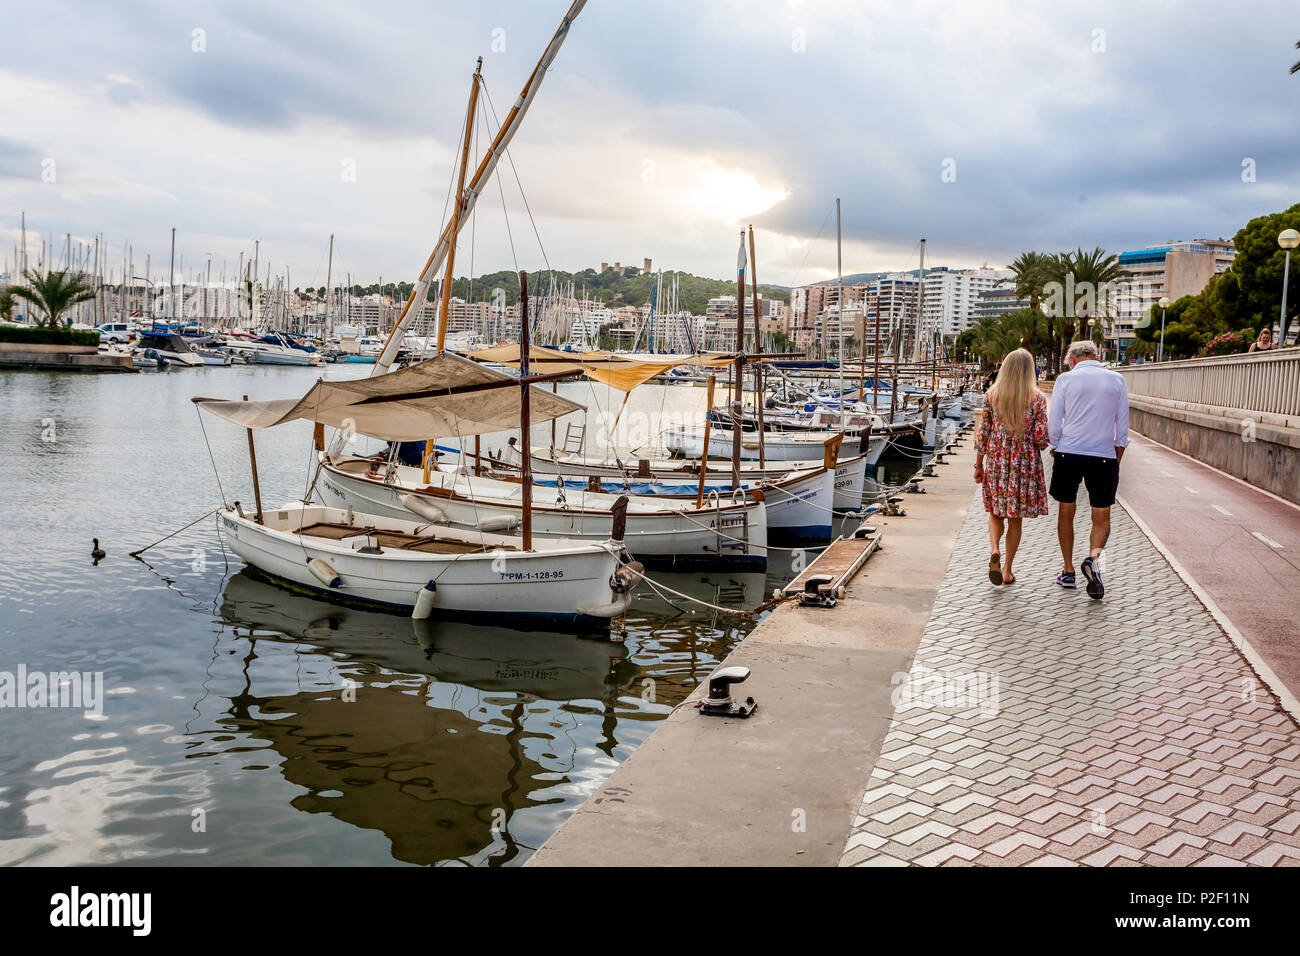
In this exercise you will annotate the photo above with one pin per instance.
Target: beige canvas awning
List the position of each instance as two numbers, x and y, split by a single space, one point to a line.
443 397
623 372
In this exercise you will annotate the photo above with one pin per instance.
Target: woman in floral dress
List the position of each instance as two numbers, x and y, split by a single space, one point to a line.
1009 459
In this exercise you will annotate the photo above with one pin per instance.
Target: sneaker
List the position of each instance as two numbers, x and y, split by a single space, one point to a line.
1093 574
1066 580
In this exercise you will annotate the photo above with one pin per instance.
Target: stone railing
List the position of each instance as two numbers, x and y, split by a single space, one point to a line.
1264 382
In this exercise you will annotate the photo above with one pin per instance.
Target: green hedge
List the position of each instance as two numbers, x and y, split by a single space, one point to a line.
35 336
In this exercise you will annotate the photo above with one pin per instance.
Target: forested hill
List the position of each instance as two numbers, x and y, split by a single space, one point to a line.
614 287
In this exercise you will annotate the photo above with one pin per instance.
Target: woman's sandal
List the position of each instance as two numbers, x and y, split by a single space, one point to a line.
1009 580
995 568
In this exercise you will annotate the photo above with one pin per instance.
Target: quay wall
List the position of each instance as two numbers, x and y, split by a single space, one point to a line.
74 358
783 787
1237 413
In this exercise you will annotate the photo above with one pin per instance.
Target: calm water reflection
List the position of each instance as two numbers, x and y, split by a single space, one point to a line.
244 724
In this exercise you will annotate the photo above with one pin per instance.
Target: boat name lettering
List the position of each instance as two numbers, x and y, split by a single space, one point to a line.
531 575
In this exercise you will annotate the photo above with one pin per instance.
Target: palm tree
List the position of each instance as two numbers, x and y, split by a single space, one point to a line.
1100 270
6 303
1295 67
1031 272
53 293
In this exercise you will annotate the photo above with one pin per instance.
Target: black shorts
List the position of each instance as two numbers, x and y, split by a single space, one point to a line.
1099 475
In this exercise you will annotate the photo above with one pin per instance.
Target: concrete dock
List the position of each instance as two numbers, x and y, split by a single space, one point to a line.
932 718
783 786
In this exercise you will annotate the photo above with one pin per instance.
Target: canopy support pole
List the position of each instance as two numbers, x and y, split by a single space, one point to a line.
704 452
525 418
252 458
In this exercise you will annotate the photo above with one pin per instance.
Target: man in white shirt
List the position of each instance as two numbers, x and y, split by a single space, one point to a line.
1087 429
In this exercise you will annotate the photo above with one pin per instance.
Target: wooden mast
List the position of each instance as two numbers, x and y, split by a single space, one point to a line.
758 347
485 168
459 208
737 392
525 418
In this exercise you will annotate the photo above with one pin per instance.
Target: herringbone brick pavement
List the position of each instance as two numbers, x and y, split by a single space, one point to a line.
1038 727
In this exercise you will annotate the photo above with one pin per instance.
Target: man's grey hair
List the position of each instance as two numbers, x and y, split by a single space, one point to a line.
1081 350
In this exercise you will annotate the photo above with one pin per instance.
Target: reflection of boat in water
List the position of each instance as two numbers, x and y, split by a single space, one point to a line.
440 770
559 667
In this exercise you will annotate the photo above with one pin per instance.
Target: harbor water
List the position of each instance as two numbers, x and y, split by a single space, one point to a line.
238 723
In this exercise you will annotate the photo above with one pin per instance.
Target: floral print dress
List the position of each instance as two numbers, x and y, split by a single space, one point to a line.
1014 486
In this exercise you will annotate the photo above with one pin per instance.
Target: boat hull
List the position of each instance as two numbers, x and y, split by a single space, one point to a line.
688 442
725 535
568 585
850 473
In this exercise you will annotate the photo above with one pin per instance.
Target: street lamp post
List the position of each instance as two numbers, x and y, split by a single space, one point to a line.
153 294
1288 239
1160 352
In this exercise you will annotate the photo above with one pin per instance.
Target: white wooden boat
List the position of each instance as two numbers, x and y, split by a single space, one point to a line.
400 563
850 473
386 563
687 441
800 502
660 531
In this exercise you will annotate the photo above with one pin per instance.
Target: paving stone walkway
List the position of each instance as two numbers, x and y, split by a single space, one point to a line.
1038 727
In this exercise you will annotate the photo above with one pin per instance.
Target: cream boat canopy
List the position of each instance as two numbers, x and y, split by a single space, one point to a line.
443 397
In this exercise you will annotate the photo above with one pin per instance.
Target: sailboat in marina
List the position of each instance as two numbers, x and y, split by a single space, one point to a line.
418 563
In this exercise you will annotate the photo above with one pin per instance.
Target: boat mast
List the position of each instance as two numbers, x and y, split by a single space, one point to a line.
171 275
758 347
329 272
839 269
459 208
737 391
485 168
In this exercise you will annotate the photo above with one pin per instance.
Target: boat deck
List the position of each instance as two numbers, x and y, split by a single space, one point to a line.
426 543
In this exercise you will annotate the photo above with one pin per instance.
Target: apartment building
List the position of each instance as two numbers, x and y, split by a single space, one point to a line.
1172 270
995 302
953 295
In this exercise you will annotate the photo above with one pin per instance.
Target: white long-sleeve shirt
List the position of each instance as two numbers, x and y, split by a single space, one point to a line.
1089 411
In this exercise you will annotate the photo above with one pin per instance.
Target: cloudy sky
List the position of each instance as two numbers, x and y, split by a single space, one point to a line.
988 127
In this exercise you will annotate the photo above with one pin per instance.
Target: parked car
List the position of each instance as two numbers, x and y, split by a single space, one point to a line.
115 332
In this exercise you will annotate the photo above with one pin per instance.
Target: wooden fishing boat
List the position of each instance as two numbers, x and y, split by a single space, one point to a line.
415 563
850 472
386 563
724 532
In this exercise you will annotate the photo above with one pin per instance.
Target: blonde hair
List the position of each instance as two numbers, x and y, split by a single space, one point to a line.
1014 390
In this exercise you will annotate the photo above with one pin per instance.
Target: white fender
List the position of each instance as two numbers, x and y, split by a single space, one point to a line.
425 509
425 599
499 523
616 608
325 573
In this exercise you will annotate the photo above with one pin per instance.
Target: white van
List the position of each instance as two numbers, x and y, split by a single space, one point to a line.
114 332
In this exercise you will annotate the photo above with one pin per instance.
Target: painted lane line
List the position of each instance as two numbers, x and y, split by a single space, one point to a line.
1191 489
1167 474
1268 541
1222 510
1274 683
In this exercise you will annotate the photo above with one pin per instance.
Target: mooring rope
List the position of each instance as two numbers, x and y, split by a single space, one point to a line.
136 554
